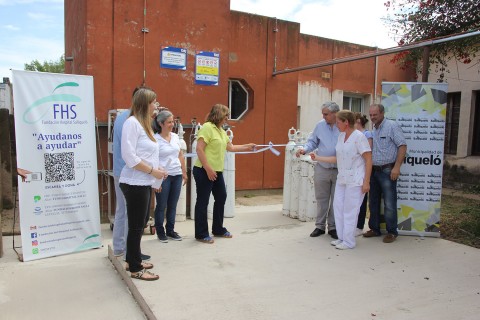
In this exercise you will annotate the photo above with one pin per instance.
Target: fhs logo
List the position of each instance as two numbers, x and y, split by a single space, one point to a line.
39 109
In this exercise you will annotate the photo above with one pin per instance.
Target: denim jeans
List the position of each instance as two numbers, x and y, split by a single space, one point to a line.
167 199
138 206
382 185
204 188
362 214
120 224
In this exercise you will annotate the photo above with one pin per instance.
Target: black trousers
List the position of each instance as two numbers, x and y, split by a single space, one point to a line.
204 188
137 199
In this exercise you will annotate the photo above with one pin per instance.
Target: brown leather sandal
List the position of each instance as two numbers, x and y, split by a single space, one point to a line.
145 265
145 275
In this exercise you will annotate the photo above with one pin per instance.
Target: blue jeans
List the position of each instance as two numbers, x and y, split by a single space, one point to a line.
382 185
167 199
120 224
362 214
204 188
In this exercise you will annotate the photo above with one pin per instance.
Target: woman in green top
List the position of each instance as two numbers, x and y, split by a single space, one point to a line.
212 141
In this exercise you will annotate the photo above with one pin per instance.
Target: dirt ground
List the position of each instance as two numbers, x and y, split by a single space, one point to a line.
7 222
259 197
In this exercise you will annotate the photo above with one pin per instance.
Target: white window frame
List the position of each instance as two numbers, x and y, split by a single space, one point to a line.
351 97
247 102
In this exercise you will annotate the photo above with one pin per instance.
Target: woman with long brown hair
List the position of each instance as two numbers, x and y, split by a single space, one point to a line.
140 152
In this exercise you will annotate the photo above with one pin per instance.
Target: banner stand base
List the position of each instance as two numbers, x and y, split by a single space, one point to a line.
419 234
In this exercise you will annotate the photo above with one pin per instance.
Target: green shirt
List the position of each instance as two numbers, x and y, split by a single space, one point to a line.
216 141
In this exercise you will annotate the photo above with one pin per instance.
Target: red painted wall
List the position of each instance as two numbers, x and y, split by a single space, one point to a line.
314 50
106 40
247 61
356 76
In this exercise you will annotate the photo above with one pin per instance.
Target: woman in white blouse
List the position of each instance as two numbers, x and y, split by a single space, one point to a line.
172 159
354 162
140 153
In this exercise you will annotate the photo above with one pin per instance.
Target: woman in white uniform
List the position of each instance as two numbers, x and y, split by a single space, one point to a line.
354 162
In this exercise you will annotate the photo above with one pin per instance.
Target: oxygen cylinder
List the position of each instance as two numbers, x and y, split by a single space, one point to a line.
211 200
287 171
193 186
302 188
229 177
295 180
311 214
182 200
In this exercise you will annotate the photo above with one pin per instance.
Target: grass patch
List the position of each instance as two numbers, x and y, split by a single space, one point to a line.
460 220
475 189
248 195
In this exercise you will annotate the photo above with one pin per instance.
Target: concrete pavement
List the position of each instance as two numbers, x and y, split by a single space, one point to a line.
84 285
271 269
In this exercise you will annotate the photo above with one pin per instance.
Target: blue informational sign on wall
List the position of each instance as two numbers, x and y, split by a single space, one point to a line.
173 58
207 68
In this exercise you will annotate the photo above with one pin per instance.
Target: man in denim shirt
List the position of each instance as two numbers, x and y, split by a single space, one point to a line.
120 225
324 139
389 149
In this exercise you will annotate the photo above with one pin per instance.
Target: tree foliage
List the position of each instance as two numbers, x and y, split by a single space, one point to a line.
47 66
412 21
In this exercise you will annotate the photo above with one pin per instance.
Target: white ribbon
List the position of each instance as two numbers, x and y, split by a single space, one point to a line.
270 146
264 147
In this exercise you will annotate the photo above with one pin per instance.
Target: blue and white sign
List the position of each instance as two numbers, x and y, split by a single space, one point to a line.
173 58
207 68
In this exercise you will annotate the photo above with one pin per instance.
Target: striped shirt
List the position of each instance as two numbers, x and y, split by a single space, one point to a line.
323 138
386 140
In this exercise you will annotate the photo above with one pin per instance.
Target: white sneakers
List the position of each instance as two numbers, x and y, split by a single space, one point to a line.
358 232
335 242
341 246
338 244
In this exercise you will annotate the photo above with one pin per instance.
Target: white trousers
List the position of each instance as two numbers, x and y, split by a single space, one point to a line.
346 205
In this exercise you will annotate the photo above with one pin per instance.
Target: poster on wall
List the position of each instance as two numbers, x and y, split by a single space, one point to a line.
173 58
420 110
207 68
55 140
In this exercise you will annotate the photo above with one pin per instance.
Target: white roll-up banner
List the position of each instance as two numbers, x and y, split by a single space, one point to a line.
420 110
55 141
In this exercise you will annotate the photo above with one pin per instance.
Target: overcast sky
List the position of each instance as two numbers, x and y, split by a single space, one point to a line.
34 29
